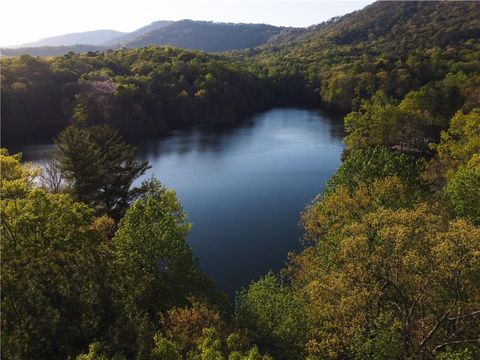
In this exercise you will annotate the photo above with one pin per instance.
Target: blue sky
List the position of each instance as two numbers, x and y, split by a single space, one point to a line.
24 21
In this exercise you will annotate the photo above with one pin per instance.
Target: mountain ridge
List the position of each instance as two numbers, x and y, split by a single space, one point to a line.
138 32
93 37
189 34
207 36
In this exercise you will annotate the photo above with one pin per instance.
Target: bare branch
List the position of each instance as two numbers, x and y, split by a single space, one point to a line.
434 329
441 346
462 317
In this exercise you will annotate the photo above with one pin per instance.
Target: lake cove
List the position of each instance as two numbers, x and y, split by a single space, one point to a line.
243 185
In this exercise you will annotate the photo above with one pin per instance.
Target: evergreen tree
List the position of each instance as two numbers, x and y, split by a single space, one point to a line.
100 167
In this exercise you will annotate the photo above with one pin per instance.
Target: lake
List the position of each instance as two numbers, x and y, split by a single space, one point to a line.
243 185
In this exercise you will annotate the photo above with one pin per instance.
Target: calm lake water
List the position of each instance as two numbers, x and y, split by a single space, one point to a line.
243 185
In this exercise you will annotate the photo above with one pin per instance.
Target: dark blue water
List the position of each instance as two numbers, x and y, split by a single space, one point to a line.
244 186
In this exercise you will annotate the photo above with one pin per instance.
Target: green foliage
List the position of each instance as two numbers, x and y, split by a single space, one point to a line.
461 141
154 267
275 316
15 178
376 123
198 332
53 277
388 264
165 350
150 248
458 145
137 91
95 353
435 103
332 212
409 124
366 166
100 166
394 48
463 190
382 342
70 279
210 347
380 268
451 354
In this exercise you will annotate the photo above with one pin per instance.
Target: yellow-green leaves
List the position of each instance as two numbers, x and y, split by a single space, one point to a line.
374 124
407 265
461 141
15 178
463 190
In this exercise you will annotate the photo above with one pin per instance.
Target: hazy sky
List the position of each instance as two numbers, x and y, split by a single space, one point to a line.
24 21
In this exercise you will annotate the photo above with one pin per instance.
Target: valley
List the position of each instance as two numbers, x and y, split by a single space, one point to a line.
201 190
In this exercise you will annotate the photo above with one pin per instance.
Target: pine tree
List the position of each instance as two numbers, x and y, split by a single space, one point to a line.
100 167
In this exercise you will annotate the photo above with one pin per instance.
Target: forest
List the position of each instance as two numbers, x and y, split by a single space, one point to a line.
136 91
94 268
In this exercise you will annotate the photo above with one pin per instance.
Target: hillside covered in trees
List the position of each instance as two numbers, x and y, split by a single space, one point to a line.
93 268
187 34
207 36
418 58
137 91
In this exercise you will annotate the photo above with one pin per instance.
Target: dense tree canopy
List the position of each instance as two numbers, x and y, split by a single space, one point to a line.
137 91
71 277
386 273
390 264
53 272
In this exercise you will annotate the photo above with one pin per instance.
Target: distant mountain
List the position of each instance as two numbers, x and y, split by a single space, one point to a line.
207 36
122 39
53 50
95 37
